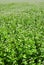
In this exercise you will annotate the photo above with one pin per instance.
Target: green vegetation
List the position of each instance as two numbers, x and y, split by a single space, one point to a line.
22 34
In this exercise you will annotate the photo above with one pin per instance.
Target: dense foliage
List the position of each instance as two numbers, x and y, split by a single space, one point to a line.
21 34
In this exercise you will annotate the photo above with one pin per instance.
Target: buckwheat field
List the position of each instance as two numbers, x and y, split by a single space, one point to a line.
22 34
